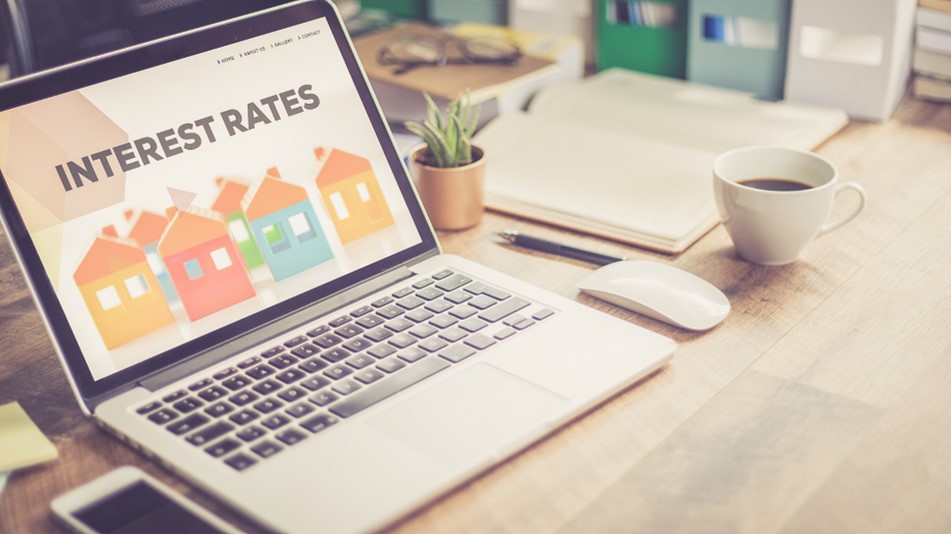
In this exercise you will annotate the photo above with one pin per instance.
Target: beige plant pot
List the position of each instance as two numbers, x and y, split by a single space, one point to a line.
453 197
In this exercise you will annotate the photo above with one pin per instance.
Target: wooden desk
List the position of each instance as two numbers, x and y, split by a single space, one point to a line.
822 403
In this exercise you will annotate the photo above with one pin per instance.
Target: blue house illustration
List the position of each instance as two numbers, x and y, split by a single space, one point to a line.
284 226
147 230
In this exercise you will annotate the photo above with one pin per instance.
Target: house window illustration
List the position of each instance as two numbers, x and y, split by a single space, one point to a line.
147 229
202 260
231 194
284 225
349 186
120 291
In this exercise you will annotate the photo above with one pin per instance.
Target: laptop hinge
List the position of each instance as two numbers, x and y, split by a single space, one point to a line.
205 359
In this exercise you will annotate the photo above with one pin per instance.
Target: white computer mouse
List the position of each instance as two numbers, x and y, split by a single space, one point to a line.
661 291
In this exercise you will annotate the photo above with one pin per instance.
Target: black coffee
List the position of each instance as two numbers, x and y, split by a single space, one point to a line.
774 184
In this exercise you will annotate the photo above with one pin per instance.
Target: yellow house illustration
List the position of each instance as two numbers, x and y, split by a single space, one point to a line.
121 293
352 194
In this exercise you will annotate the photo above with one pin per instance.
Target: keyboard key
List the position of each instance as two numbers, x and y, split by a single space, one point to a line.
345 387
379 303
505 333
225 373
419 315
378 334
315 382
453 334
381 351
402 340
174 396
361 311
423 283
313 365
344 319
319 331
250 362
240 461
412 354
150 407
423 330
397 382
306 351
223 447
410 303
438 306
335 355
291 343
443 321
243 417
260 372
290 376
292 394
479 341
390 365
367 376
268 405
359 361
390 312
514 319
442 274
504 309
523 324
543 314
457 353
479 288
266 449
320 422
213 393
322 398
403 292
236 382
243 397
273 351
430 293
275 421
267 387
300 410
473 324
283 361
357 344
250 433
210 433
186 425
463 312
201 384
219 409
458 297
482 302
348 331
453 282
399 324
328 340
188 404
337 372
432 344
370 321
291 436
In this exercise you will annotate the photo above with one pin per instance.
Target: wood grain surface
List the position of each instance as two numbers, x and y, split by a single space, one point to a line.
821 404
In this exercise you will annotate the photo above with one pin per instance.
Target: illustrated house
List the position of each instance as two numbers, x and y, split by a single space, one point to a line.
120 291
203 263
284 225
228 204
146 232
352 193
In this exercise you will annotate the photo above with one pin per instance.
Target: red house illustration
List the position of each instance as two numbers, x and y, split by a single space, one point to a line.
204 263
120 291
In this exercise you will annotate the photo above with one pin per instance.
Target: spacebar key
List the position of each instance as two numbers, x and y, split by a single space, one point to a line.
394 384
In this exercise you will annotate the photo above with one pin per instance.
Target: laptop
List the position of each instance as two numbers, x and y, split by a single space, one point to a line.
241 283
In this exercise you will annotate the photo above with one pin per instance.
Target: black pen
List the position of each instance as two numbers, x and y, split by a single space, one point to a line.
543 245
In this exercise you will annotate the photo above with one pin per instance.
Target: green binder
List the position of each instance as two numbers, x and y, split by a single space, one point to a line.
626 37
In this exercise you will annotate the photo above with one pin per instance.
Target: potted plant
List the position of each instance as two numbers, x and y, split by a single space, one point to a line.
448 170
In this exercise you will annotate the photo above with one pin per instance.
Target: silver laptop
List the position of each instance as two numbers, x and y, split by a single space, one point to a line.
241 283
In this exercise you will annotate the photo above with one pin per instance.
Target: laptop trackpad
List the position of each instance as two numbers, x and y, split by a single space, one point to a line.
470 414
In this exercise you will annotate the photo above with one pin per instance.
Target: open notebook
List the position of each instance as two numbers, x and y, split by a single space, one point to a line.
628 156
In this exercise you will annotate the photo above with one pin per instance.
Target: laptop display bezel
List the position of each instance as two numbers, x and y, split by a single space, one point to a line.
81 74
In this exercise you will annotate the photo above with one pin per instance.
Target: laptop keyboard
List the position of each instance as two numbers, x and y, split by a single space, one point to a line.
254 409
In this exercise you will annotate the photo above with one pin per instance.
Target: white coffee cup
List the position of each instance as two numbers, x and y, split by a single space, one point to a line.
772 226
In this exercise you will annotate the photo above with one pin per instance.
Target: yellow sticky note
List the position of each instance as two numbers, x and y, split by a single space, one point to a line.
21 443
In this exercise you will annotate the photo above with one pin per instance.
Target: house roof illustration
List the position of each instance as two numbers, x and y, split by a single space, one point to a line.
107 256
230 195
273 195
148 227
190 228
339 165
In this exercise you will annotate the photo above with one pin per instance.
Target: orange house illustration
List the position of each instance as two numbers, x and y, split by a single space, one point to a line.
352 193
121 293
204 263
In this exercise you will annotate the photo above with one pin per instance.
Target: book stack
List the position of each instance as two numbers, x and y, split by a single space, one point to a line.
932 56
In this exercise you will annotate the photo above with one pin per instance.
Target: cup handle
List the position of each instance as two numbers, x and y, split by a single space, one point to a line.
826 228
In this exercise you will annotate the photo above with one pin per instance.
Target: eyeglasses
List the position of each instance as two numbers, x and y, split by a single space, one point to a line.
416 51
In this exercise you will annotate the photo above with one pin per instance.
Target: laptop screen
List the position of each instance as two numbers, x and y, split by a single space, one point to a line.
170 203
